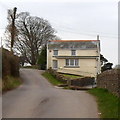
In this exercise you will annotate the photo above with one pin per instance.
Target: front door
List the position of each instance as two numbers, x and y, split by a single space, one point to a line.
55 64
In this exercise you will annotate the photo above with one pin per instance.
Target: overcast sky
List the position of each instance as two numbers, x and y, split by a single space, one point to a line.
74 19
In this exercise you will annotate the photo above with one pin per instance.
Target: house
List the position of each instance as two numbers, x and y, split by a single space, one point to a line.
79 57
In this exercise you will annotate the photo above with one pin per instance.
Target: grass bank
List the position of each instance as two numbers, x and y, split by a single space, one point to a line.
108 104
72 76
51 78
10 83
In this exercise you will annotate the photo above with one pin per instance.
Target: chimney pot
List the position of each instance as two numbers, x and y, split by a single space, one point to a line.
97 37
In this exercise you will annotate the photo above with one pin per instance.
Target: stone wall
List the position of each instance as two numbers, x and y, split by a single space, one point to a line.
81 82
110 80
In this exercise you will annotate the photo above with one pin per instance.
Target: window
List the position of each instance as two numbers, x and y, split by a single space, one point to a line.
55 64
76 62
55 52
73 52
67 62
72 62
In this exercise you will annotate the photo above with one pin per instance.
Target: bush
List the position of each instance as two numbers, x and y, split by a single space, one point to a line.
10 64
42 60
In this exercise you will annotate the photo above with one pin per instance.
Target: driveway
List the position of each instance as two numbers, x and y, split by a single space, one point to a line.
37 98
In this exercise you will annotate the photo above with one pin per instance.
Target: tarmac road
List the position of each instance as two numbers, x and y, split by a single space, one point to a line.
37 98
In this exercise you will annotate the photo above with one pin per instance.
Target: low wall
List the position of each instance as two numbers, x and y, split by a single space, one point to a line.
85 81
110 80
81 82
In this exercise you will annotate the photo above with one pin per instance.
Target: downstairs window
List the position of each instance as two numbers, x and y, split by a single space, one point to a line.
72 62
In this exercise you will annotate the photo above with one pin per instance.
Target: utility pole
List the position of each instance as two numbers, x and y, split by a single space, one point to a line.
13 17
1 42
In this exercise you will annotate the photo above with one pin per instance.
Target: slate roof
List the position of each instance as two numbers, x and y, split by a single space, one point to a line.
73 44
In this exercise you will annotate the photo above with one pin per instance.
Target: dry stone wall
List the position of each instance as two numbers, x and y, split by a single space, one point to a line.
81 82
110 80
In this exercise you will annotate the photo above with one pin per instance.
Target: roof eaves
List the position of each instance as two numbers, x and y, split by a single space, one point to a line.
73 40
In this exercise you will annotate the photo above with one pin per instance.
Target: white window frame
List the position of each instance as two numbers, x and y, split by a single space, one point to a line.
54 52
68 62
73 51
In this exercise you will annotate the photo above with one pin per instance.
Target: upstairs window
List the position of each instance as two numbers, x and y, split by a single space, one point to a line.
73 52
55 52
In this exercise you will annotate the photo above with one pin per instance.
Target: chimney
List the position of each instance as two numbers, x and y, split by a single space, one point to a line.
97 37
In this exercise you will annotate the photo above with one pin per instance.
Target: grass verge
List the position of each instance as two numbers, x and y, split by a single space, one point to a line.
10 83
72 76
51 78
108 104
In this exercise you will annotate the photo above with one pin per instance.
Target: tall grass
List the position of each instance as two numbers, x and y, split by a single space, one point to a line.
10 83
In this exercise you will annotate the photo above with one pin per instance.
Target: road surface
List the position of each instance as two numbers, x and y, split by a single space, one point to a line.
37 98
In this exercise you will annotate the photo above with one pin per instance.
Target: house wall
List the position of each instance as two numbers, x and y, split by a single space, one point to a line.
87 67
65 52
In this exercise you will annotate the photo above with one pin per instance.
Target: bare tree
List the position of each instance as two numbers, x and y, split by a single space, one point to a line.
33 32
55 38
